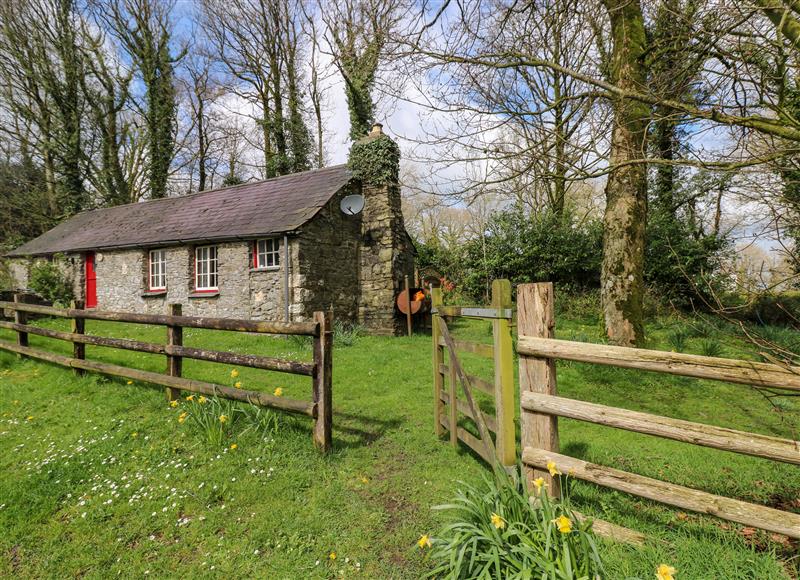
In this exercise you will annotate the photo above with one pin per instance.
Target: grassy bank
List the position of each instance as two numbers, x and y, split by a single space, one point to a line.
101 479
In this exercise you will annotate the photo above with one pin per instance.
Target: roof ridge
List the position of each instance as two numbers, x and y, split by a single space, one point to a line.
208 191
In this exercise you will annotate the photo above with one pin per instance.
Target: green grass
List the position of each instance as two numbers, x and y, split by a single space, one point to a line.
275 508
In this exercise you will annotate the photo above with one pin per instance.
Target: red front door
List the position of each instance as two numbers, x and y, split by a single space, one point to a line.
91 281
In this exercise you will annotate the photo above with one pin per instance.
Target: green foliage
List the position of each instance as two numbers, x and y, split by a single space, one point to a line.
375 160
677 339
220 419
6 281
346 333
50 282
711 347
525 542
768 308
680 262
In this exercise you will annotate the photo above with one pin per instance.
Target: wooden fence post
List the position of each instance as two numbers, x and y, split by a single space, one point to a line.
21 318
174 338
536 317
78 327
323 381
504 375
438 361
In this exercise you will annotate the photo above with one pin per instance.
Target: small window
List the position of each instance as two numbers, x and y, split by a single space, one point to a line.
267 254
205 269
158 270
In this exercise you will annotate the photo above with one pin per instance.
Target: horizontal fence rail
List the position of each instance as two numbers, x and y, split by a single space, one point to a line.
320 370
541 407
232 324
674 363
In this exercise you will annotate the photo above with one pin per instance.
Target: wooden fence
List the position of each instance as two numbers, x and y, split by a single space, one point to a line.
320 370
541 406
448 407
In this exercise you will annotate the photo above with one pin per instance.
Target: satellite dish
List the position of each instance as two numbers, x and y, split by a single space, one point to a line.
352 204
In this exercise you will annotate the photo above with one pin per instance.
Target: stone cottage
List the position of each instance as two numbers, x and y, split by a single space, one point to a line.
277 249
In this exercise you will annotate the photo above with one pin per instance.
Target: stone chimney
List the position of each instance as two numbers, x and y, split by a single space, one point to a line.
385 254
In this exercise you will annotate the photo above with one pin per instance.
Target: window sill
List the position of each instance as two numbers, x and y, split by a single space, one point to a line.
205 294
154 293
267 269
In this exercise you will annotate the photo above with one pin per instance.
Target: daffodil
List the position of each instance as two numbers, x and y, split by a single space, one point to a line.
182 417
173 404
29 418
234 373
234 446
564 524
332 555
665 572
424 541
498 522
538 484
202 399
238 384
551 467
190 398
223 418
278 392
129 382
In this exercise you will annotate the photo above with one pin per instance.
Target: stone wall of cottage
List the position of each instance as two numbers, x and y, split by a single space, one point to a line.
70 264
328 261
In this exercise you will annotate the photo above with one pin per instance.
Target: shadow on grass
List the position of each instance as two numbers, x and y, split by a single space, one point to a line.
360 430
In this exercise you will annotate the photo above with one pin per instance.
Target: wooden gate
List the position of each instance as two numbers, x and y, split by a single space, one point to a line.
541 406
450 408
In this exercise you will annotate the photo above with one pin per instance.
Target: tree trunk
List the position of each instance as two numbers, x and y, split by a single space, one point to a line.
622 275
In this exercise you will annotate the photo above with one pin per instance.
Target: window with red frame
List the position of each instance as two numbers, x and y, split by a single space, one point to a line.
158 270
205 269
266 253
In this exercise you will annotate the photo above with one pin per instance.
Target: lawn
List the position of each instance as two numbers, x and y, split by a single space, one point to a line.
100 479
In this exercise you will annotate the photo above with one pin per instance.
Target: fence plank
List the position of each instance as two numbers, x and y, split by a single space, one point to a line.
470 440
204 388
20 318
438 359
674 363
453 394
506 436
536 317
464 409
676 429
174 338
485 350
78 326
477 382
246 360
734 510
233 324
323 381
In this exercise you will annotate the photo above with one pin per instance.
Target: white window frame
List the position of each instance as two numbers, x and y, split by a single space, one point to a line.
268 254
206 269
157 270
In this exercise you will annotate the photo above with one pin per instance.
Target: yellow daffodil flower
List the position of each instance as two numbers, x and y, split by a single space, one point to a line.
190 398
234 373
182 417
538 484
424 541
223 418
551 467
498 522
665 572
238 384
202 400
29 418
173 404
234 446
129 382
278 392
564 524
332 555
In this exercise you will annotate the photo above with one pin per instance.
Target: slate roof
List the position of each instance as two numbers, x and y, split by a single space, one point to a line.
274 206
